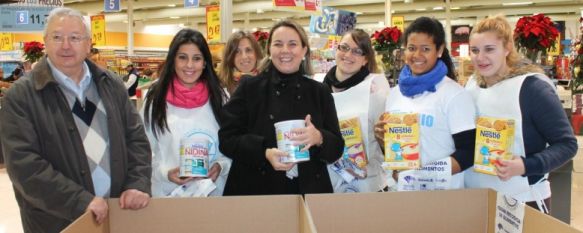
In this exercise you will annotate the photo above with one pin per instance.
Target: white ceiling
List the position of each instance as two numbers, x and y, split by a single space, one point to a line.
156 12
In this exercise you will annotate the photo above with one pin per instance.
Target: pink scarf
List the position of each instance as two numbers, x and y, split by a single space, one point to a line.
181 96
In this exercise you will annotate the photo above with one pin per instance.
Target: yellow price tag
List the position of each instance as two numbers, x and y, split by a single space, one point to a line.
98 30
399 22
213 23
556 51
6 42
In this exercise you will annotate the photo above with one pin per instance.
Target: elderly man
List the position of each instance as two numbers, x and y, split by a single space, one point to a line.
70 136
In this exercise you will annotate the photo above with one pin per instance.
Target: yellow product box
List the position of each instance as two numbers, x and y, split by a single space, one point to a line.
401 141
353 142
494 142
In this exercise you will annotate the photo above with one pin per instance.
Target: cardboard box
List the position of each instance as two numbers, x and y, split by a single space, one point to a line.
451 211
268 214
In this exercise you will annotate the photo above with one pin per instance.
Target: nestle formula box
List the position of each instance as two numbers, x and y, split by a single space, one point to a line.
257 214
448 211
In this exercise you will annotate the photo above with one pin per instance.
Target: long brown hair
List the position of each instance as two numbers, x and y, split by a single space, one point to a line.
227 67
155 102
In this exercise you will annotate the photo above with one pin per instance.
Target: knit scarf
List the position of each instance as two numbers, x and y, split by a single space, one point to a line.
237 75
331 80
181 96
411 85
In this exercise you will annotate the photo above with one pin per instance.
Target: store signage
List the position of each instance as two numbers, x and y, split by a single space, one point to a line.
556 49
299 5
332 21
213 24
6 41
20 17
111 5
399 22
191 3
14 55
98 30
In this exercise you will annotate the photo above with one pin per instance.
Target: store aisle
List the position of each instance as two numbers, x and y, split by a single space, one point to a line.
10 218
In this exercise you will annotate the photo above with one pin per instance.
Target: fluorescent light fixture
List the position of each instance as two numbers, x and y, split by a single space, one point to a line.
175 17
455 8
172 5
516 3
358 13
438 8
420 9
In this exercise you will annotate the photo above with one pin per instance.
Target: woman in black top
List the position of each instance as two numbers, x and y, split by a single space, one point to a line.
282 91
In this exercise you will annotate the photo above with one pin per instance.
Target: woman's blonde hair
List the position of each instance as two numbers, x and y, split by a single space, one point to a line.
227 67
501 28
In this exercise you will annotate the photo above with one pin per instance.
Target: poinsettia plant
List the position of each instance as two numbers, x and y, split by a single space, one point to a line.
535 33
33 51
385 42
387 39
261 38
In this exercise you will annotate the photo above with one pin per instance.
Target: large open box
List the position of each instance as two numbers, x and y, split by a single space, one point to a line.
257 214
452 211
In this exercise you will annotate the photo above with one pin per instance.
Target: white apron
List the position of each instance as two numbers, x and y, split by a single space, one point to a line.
488 102
351 103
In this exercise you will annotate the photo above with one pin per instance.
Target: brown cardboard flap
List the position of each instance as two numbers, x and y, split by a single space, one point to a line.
537 222
449 211
306 222
213 214
87 224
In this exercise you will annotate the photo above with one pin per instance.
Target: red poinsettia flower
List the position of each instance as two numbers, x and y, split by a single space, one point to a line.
261 38
387 39
535 33
33 51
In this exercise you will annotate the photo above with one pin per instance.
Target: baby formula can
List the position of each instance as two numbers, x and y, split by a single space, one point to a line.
283 132
194 157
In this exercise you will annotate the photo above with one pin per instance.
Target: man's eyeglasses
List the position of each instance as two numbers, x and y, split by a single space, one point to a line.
345 48
75 39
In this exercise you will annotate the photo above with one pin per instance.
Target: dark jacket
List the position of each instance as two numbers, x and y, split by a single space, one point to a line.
45 157
247 130
134 86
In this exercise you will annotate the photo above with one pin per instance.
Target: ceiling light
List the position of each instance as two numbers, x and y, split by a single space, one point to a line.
172 5
420 9
438 8
455 8
175 17
358 13
260 11
516 3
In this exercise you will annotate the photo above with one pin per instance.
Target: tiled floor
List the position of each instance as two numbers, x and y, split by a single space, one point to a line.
10 219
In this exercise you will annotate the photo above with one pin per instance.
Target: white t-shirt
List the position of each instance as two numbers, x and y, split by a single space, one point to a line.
447 111
184 123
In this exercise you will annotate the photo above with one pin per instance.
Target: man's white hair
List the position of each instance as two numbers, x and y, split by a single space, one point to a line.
65 11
